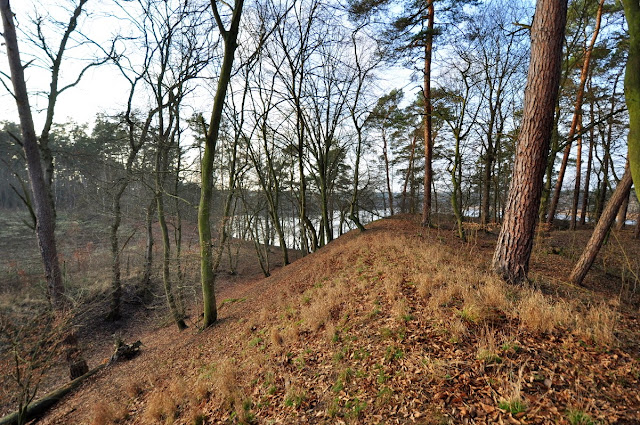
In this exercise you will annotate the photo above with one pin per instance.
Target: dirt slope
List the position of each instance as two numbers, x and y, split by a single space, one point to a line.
397 325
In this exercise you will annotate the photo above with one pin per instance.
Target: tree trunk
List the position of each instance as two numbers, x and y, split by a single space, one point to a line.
551 160
409 174
206 190
513 250
45 219
602 229
428 141
456 195
354 214
145 283
327 219
576 189
43 209
621 218
486 185
606 144
387 171
116 284
182 308
632 88
485 210
576 115
161 171
587 177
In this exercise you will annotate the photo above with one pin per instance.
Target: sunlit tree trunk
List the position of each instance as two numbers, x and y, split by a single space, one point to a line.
576 115
621 219
577 187
513 250
587 177
602 228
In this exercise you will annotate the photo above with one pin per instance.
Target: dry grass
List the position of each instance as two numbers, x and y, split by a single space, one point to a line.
487 350
512 400
538 313
324 306
276 337
413 319
291 333
165 404
492 296
134 388
436 369
226 384
106 414
160 407
457 329
599 324
400 310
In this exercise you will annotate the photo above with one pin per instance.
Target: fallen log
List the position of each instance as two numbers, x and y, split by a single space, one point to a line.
40 406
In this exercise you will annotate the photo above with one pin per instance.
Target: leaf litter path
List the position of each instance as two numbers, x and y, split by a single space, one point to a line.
397 325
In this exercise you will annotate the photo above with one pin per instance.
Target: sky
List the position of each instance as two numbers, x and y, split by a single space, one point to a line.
101 89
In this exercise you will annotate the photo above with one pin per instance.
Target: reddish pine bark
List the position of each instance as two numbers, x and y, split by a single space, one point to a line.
513 250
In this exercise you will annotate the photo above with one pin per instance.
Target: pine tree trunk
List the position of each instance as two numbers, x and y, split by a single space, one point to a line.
576 189
576 115
602 228
621 218
551 160
515 242
587 177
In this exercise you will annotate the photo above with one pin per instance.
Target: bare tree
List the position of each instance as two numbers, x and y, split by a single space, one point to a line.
360 118
45 216
204 226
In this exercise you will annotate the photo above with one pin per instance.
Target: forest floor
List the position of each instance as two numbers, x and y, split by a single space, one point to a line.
399 324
